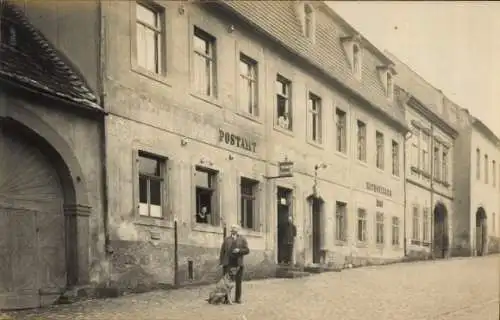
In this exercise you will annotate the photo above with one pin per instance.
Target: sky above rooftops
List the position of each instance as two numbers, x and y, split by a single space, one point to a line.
452 45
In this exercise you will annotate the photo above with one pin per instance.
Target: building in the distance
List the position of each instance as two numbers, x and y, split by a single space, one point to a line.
477 189
429 164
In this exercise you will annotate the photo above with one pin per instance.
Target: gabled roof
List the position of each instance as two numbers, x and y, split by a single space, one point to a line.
28 59
429 96
279 21
486 131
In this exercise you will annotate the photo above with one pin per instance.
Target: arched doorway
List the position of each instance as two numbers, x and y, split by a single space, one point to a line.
481 232
441 240
33 243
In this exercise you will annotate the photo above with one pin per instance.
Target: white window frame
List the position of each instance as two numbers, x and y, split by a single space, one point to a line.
361 142
256 205
415 218
249 79
486 167
341 130
146 209
315 113
445 164
281 122
361 226
309 21
478 164
389 85
395 231
395 159
158 29
210 59
426 221
379 151
340 221
379 228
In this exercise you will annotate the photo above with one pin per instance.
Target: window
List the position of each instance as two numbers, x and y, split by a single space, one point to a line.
494 172
486 166
341 130
315 118
283 102
340 221
426 224
248 213
478 164
149 38
395 231
248 85
361 132
151 171
207 205
389 85
204 65
425 152
415 224
356 61
445 165
395 158
380 228
379 140
362 236
308 21
437 164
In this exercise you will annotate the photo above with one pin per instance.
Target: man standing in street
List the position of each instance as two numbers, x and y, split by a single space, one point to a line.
289 239
232 251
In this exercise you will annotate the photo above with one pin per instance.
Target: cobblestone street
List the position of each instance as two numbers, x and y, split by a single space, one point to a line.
461 288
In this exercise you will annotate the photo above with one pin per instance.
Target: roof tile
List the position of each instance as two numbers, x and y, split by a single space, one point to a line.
28 58
279 20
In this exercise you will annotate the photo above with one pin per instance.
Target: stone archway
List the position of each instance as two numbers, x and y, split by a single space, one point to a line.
42 185
481 232
440 246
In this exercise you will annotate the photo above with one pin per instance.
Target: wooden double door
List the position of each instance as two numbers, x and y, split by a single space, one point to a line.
32 226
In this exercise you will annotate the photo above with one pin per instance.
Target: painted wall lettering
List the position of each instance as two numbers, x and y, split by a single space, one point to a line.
378 189
235 140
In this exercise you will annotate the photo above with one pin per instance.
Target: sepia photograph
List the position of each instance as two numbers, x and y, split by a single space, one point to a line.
249 160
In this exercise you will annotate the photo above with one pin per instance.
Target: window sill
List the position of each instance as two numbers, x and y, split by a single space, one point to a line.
380 245
283 130
151 75
207 228
251 233
315 144
396 177
362 244
362 163
154 222
341 243
342 154
211 100
248 116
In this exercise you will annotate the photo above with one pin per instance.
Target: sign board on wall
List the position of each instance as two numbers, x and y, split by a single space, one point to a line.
285 169
236 140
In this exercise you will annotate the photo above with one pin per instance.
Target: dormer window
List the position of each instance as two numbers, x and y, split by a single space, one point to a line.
308 21
386 74
389 85
356 61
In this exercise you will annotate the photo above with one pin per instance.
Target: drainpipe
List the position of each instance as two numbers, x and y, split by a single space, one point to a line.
405 246
431 245
101 72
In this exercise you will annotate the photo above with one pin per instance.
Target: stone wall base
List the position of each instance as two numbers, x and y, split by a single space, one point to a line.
493 245
144 266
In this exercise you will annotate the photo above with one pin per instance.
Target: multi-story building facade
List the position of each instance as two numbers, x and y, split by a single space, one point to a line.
199 119
429 171
477 188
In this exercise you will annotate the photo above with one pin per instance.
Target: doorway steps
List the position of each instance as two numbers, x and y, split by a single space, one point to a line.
316 268
290 272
